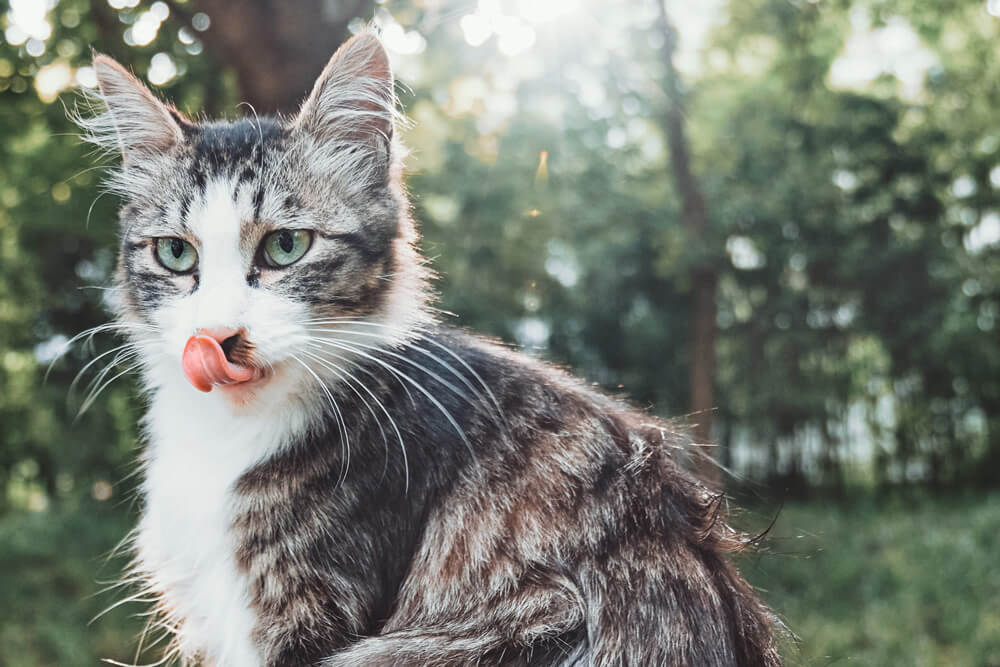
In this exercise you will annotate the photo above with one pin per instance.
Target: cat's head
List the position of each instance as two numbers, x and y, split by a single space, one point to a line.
244 242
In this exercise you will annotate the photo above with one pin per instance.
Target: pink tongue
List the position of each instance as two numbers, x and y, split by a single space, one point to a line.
205 364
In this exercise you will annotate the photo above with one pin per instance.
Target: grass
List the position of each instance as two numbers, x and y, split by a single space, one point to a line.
910 583
50 564
897 583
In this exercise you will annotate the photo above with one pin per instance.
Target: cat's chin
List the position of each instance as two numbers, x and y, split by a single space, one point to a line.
244 395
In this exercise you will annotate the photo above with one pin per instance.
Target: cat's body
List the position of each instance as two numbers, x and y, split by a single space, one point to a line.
469 552
362 485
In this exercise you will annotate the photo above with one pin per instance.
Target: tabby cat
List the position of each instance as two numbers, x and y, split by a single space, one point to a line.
331 476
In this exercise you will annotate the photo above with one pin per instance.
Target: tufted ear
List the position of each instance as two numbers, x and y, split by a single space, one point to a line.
352 104
136 122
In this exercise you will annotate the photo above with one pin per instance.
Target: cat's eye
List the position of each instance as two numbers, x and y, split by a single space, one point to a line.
176 254
285 247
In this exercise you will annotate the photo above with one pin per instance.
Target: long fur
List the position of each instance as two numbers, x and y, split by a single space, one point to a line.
395 492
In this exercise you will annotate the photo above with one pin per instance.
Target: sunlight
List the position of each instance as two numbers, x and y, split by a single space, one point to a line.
51 80
542 12
144 30
983 235
512 24
516 24
404 42
86 77
161 69
513 34
27 20
869 52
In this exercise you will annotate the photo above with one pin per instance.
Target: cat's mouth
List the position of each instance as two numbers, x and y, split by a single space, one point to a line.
207 364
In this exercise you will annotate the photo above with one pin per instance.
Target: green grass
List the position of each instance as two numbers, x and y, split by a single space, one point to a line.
914 583
50 564
862 584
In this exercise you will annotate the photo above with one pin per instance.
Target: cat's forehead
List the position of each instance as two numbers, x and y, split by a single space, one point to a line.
218 146
249 170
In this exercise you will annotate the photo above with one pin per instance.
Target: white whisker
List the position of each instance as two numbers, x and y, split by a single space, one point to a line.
92 396
342 425
392 422
419 387
395 355
498 416
76 380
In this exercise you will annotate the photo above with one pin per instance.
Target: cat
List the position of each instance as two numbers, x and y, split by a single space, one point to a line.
333 477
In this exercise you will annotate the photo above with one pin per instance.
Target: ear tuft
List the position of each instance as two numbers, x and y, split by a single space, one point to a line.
135 122
353 104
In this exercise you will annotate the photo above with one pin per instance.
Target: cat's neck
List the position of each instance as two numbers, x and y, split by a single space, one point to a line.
186 427
197 449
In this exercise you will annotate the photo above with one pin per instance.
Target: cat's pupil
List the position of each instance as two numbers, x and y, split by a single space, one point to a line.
176 248
286 242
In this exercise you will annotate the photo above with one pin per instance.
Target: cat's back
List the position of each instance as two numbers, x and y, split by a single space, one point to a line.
565 495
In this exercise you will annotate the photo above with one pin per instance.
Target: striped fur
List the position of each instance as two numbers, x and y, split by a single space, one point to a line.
395 492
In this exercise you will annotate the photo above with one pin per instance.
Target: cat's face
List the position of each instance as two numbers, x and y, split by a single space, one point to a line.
244 244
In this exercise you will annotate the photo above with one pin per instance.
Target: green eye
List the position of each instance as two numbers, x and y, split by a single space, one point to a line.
286 246
176 254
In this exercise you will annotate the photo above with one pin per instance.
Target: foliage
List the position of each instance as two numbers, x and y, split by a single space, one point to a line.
858 299
49 566
866 205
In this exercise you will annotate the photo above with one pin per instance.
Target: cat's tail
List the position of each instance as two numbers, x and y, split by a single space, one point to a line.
437 647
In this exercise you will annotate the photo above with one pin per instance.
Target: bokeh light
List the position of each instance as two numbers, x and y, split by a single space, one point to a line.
52 79
161 69
27 20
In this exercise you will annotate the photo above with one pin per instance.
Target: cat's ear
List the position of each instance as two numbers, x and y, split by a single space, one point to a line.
136 122
353 102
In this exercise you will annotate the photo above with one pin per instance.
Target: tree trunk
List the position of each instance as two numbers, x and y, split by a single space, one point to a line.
276 48
704 276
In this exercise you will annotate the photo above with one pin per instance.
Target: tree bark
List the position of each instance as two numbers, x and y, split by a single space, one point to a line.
704 275
276 48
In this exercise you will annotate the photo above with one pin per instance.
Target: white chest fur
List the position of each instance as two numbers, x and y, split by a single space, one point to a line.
197 451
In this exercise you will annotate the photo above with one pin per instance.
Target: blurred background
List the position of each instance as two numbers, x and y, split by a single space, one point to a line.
778 220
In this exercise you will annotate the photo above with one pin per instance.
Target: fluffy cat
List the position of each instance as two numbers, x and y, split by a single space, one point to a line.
331 476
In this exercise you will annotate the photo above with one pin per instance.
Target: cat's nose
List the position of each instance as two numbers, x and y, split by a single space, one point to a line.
228 339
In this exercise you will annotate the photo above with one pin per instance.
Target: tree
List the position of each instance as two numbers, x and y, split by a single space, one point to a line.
703 274
276 49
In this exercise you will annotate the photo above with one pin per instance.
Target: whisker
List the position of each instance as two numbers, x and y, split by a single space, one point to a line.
423 368
103 288
92 396
125 355
93 331
419 387
498 416
340 376
369 373
342 425
392 422
82 371
421 334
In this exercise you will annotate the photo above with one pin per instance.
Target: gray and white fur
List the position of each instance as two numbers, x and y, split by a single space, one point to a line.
390 491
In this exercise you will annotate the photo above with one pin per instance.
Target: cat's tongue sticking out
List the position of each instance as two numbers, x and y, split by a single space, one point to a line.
206 365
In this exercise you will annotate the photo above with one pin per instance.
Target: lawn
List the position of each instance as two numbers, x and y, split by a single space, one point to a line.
910 583
867 583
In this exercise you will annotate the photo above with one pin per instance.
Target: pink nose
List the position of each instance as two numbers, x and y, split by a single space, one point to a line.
205 363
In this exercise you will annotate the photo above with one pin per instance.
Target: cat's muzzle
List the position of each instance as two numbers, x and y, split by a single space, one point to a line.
209 359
